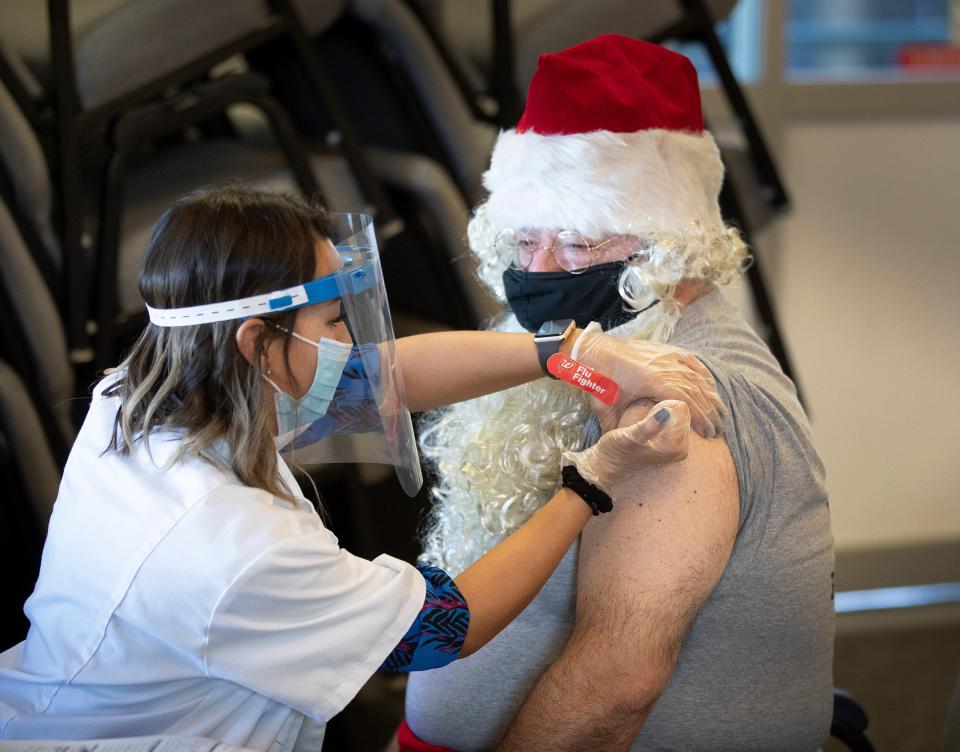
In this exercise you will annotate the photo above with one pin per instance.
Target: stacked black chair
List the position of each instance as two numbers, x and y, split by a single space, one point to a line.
119 75
422 139
29 476
36 426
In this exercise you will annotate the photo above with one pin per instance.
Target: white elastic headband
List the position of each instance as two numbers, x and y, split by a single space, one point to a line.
353 280
292 297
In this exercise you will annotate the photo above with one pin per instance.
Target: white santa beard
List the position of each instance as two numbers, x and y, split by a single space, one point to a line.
497 458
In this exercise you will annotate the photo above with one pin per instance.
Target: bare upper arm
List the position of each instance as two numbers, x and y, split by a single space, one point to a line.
647 567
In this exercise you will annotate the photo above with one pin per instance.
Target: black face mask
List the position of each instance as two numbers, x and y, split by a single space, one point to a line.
536 297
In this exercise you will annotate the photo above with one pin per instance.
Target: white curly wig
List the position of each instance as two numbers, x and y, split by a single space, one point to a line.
497 458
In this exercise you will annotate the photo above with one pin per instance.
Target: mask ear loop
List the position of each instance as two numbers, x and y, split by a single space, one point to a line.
639 252
294 334
266 374
272 383
317 345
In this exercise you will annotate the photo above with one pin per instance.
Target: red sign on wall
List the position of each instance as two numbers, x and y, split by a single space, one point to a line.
930 57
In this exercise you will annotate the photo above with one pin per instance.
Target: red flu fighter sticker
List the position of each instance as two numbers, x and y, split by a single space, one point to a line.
582 377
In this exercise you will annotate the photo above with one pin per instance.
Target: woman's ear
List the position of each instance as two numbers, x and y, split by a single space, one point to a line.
247 335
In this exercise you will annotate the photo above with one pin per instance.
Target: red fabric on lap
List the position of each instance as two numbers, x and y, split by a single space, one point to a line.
408 742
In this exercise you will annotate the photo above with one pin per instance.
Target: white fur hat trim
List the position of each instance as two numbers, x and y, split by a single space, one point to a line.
605 183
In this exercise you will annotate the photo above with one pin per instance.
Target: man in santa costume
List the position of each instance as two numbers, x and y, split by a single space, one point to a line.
698 615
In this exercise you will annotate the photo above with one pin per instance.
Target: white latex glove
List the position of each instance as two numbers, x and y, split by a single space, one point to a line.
633 450
653 371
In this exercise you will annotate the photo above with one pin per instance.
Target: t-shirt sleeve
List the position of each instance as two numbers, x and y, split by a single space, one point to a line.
755 462
307 623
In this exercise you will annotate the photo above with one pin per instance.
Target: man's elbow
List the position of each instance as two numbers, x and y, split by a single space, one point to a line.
628 686
636 695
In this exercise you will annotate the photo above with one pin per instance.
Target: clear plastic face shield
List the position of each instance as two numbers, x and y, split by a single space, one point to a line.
366 419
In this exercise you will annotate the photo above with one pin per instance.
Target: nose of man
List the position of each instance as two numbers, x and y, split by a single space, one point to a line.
544 261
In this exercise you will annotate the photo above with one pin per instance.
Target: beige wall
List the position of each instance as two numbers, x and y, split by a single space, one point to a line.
865 272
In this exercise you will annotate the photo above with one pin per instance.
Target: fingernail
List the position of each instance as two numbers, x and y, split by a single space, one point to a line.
662 415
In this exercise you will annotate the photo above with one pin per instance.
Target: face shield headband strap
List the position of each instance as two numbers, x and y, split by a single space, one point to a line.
350 281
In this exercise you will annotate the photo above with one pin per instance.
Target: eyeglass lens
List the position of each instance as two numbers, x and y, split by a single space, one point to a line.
571 250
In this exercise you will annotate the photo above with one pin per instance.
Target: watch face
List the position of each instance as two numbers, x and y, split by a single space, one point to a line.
553 328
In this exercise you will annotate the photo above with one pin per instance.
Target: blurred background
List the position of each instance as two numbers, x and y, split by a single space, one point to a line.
839 122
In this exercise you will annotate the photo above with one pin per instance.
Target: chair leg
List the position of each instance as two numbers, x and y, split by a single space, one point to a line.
291 144
467 89
504 65
29 104
699 25
74 272
108 254
74 276
389 222
701 28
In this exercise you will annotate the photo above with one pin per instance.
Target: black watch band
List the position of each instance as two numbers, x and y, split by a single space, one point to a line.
595 497
549 338
544 351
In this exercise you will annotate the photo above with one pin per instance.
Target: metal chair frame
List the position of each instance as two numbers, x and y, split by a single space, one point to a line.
462 313
146 124
28 231
75 127
15 350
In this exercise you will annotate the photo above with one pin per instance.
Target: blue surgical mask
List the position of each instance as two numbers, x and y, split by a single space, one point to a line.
292 413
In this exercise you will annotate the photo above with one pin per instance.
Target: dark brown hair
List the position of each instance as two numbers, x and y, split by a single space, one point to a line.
217 244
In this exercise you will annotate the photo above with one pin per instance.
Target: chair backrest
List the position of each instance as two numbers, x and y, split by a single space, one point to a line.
24 166
25 445
26 25
318 15
135 34
466 142
433 190
32 329
559 24
29 477
549 25
17 76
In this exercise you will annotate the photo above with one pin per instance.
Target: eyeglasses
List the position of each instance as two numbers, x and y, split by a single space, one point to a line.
572 252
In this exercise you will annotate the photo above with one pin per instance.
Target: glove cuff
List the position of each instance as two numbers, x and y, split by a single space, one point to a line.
596 498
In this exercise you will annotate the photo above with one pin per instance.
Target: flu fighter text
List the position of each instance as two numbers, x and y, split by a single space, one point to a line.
583 377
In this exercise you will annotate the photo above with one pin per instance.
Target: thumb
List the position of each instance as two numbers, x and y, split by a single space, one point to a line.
657 420
673 438
663 431
626 440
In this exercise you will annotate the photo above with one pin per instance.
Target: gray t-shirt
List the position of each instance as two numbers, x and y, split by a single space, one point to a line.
755 672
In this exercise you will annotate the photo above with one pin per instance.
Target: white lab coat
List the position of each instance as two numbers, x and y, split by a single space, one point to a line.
180 601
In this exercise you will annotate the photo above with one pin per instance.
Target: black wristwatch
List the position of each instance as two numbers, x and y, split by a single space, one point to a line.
549 337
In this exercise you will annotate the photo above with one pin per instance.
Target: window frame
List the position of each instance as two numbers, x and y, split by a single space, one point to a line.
928 95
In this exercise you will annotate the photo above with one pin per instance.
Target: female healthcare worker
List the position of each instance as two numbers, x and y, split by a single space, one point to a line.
187 586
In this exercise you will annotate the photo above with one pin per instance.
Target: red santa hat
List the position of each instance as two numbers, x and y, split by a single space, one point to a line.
611 142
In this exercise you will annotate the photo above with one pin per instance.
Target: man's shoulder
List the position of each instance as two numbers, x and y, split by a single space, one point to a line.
749 379
715 327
